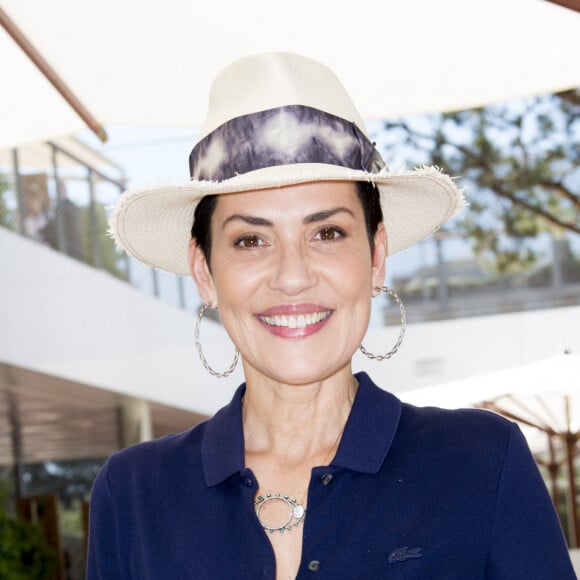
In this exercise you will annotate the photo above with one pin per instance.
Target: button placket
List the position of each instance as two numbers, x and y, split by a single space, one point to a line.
318 496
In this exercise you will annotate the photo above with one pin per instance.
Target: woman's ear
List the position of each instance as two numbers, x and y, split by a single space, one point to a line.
379 257
201 274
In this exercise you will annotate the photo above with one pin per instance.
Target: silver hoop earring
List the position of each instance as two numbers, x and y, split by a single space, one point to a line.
202 358
381 357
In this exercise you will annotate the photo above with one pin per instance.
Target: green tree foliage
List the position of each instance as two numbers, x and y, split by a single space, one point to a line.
24 553
520 164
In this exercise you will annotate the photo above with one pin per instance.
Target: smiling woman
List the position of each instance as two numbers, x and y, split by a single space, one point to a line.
282 255
310 469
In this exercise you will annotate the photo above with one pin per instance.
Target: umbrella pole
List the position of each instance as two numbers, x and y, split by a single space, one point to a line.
553 468
572 501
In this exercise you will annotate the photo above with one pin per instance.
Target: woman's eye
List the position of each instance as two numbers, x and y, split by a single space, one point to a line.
329 234
249 242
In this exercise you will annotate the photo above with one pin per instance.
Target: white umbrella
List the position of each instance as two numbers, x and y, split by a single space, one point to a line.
556 375
151 63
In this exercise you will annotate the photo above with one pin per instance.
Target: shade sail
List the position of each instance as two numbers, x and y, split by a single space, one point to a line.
135 62
558 375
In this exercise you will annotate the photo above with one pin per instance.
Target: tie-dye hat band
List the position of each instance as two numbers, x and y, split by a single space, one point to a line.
282 136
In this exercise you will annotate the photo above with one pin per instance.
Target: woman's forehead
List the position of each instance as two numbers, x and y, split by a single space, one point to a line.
295 199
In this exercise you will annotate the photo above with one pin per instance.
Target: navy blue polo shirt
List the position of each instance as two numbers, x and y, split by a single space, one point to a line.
413 493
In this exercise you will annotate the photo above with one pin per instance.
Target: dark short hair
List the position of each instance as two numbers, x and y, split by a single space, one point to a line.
367 192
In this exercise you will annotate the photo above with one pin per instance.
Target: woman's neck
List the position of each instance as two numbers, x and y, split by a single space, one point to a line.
295 423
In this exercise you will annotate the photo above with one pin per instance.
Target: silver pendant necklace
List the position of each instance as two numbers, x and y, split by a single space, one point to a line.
296 512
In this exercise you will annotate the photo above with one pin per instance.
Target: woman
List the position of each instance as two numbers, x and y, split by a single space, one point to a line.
311 471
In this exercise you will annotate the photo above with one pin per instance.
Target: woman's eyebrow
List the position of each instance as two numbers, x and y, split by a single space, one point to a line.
249 219
320 216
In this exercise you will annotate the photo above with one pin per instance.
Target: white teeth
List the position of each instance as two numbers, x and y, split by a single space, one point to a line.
293 321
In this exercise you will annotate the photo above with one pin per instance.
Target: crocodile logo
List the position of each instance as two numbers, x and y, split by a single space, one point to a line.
404 553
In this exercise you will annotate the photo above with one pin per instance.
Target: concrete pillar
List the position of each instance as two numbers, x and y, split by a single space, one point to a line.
135 424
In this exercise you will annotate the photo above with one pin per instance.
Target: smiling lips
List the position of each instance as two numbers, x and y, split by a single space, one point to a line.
296 321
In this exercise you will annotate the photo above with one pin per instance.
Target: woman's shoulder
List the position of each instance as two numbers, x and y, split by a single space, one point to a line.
473 430
181 456
164 454
470 444
457 418
434 427
431 418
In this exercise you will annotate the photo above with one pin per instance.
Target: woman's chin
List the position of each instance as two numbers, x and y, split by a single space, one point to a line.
299 372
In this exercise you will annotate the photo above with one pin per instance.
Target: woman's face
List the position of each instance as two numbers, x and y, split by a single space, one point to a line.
293 277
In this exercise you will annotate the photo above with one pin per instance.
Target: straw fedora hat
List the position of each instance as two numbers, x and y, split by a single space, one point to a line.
278 119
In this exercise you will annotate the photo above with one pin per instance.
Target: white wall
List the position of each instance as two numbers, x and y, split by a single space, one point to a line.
439 352
66 319
63 318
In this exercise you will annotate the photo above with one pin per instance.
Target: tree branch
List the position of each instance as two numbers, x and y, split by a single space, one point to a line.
552 218
562 190
498 186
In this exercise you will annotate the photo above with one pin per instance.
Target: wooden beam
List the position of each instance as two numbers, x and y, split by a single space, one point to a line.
51 75
493 406
571 4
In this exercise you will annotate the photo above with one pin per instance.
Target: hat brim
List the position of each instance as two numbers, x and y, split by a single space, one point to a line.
154 224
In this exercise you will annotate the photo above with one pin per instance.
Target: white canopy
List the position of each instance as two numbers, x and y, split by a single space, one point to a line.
147 62
556 375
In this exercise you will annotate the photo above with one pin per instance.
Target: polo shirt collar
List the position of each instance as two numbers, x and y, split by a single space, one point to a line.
370 428
222 447
367 438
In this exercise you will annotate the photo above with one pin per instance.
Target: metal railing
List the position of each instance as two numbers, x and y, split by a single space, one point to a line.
442 278
64 202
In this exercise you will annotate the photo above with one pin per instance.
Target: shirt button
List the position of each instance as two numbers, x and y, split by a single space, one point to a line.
248 482
314 566
326 478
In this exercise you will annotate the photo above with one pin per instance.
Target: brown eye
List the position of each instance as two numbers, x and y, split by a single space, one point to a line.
249 242
329 234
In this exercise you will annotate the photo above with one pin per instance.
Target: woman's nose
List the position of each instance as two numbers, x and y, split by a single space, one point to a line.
293 272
